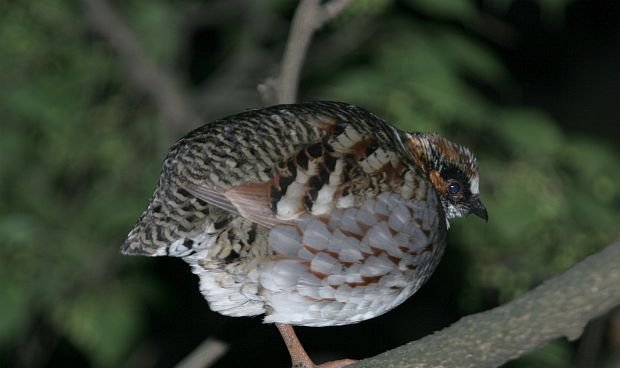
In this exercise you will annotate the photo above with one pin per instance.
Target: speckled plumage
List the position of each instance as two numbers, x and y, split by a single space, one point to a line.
312 214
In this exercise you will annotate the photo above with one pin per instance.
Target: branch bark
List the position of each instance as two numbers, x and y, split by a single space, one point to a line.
560 307
309 16
176 113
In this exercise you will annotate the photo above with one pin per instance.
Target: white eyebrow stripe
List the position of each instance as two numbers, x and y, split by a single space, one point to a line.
473 186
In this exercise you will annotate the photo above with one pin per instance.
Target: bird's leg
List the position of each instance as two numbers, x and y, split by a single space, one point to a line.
299 357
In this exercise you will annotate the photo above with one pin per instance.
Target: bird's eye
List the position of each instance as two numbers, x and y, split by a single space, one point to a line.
454 188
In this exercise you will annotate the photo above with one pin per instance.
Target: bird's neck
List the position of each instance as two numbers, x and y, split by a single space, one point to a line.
420 148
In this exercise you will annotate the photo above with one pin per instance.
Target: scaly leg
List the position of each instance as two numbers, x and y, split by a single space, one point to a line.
299 357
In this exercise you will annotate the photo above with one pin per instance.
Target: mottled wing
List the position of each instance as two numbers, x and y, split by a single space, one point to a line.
340 170
271 166
232 158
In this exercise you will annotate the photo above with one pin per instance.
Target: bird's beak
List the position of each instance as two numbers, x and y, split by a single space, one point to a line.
479 210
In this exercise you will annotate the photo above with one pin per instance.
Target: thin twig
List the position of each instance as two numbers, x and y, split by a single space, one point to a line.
207 353
332 9
304 24
176 113
309 16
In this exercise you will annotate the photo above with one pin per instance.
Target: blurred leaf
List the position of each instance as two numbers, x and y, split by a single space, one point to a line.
529 132
103 324
591 160
449 9
475 59
14 311
363 8
405 112
146 20
553 11
74 170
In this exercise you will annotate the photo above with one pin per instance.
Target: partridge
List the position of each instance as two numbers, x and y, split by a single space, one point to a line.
312 214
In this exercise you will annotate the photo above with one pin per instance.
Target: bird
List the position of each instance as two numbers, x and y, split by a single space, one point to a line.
309 214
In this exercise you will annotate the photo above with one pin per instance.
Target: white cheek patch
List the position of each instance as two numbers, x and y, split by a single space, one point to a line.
473 186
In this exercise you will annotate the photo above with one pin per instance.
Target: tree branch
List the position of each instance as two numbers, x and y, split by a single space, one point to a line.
309 16
176 113
559 307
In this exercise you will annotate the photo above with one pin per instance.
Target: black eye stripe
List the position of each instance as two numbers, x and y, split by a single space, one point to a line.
452 172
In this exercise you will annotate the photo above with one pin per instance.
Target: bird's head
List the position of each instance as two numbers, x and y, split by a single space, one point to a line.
453 171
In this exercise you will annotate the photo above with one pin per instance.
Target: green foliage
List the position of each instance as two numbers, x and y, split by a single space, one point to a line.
74 176
13 310
363 9
103 323
417 72
447 9
156 28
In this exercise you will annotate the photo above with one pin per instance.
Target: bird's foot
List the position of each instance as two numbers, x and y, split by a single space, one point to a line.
337 363
307 363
